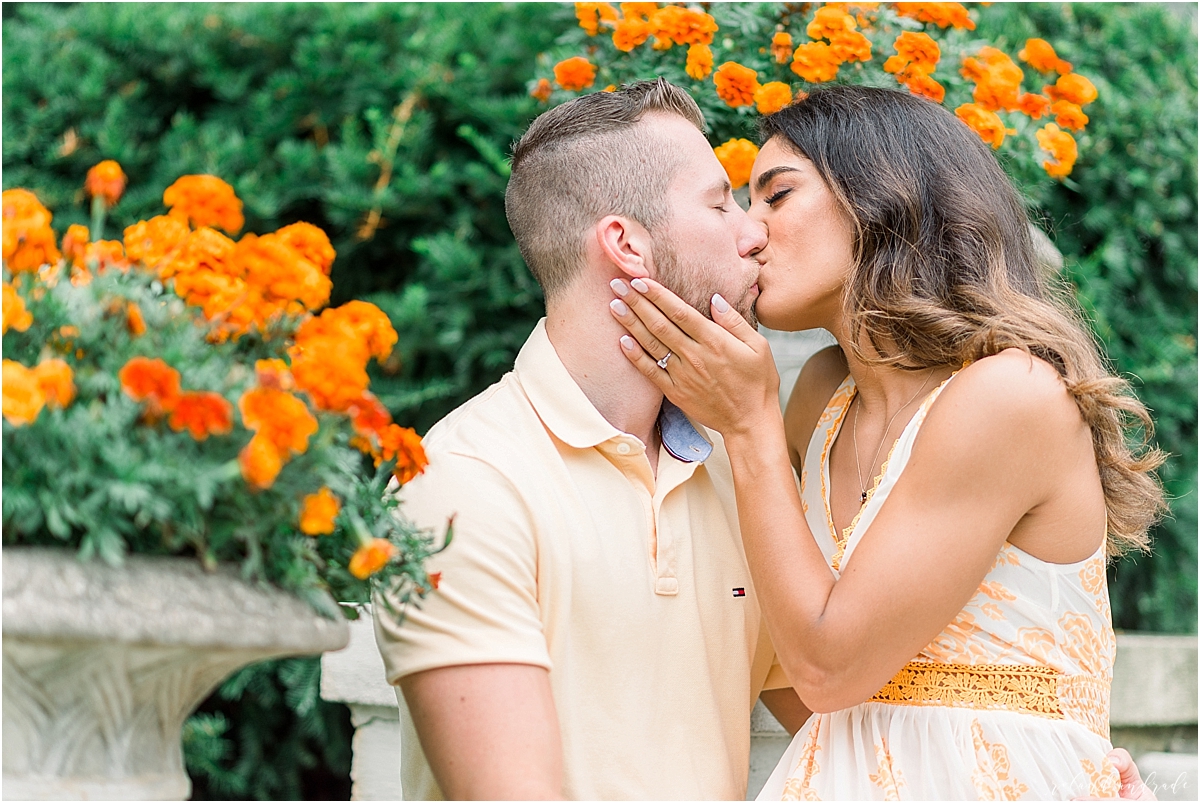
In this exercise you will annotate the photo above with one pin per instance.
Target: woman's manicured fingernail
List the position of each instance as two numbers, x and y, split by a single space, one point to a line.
627 342
618 306
619 287
639 285
720 304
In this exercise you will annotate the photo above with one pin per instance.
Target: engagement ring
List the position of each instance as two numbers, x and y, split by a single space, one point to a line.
663 362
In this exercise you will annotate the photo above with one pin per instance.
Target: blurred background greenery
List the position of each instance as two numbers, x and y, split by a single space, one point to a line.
388 126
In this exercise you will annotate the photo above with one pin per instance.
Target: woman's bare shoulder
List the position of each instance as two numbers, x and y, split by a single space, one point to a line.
818 379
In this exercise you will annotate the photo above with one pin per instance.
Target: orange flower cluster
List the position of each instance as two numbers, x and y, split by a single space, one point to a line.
27 390
916 58
106 181
676 25
818 61
630 32
403 445
1039 54
736 84
542 90
699 62
815 62
282 425
782 46
29 242
984 122
318 511
1062 149
152 381
202 414
772 96
575 73
151 241
331 352
371 557
85 255
1070 93
15 314
997 79
737 157
205 201
591 15
942 15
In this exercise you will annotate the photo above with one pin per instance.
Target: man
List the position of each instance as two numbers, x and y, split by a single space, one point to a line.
595 633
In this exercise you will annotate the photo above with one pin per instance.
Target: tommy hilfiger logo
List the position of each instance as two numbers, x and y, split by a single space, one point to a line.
739 592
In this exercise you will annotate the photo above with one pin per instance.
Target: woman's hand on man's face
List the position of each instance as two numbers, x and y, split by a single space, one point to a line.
719 372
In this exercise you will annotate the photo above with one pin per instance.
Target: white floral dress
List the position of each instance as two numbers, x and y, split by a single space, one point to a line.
1010 702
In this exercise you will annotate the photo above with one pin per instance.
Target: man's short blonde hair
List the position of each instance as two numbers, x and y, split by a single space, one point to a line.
586 159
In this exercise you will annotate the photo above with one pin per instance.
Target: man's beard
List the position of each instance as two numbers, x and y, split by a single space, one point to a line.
688 282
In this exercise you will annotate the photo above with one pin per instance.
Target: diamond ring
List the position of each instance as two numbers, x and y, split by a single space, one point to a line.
663 362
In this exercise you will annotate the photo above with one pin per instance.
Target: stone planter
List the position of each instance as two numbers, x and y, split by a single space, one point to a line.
103 665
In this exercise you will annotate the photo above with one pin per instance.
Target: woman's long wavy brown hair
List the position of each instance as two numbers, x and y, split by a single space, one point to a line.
946 271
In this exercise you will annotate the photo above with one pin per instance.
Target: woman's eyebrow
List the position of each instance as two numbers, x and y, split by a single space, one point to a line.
765 178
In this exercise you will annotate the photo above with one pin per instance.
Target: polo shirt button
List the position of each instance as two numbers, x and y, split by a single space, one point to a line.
623 448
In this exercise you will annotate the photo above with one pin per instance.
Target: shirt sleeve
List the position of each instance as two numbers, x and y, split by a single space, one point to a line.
485 609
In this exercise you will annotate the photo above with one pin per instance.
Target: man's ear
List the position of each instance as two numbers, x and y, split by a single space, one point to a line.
626 244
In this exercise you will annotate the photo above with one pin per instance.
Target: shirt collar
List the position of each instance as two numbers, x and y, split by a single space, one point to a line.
570 415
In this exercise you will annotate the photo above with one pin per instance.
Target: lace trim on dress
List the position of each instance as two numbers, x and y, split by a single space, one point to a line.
1038 690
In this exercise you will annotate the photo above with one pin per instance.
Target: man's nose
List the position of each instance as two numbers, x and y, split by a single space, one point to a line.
753 236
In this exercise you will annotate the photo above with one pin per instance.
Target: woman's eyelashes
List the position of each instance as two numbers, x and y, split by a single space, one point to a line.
776 196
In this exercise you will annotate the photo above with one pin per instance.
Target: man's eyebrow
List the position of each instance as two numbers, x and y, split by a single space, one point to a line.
765 178
722 188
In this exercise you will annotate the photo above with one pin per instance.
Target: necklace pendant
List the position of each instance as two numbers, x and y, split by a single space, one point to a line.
864 496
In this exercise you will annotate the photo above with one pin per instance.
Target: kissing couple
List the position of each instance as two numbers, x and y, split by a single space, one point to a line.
906 565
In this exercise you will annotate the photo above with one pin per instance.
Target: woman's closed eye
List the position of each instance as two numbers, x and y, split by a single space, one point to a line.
776 196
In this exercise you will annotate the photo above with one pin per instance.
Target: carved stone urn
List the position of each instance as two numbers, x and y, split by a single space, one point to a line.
103 665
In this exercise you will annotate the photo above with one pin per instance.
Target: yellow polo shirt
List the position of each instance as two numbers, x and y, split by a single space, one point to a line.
568 553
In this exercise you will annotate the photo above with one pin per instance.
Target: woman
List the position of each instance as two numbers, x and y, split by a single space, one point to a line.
936 590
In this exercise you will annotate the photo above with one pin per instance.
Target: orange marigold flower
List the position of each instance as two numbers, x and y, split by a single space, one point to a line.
23 399
575 73
202 249
75 243
371 557
403 445
736 84
630 32
318 512
782 46
1039 54
1073 88
984 122
202 413
681 26
260 462
997 79
151 380
29 242
369 417
542 91
1069 115
331 371
205 201
311 242
940 14
590 15
15 314
737 157
772 96
815 62
914 52
923 84
638 9
151 241
699 62
850 46
435 579
1036 106
104 254
135 322
829 21
56 381
273 374
363 320
106 180
280 417
1062 149
282 273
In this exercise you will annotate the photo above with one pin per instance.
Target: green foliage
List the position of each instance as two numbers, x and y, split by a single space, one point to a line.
1126 222
267 735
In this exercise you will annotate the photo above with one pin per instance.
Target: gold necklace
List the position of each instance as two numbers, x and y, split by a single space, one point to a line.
854 432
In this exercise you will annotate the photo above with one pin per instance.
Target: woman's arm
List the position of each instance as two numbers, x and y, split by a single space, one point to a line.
987 455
